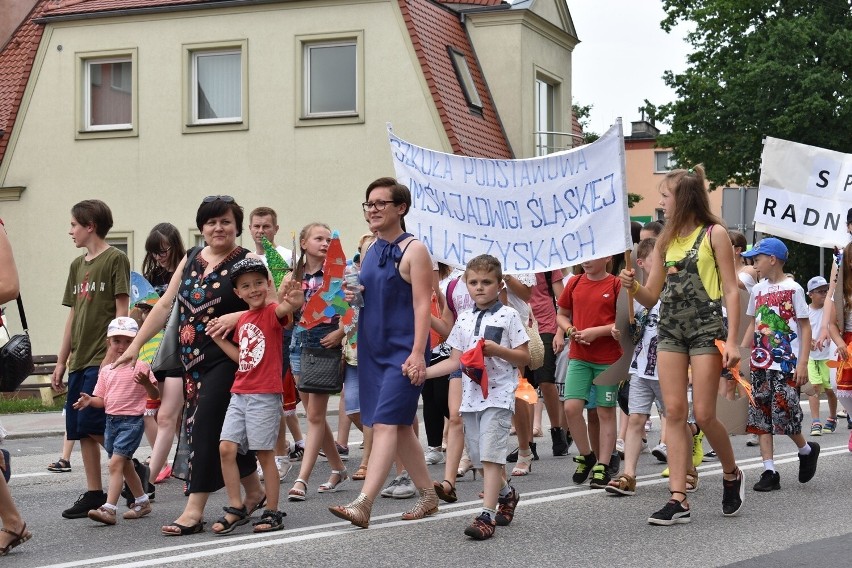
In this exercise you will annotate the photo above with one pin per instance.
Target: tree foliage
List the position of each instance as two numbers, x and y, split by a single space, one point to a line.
759 68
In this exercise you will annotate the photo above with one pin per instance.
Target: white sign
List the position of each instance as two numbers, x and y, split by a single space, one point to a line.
534 215
804 193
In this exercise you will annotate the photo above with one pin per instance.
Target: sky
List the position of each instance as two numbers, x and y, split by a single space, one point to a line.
621 58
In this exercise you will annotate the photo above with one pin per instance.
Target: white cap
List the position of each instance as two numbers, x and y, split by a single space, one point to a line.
816 282
122 326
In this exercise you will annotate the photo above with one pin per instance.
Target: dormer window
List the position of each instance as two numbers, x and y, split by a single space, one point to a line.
466 80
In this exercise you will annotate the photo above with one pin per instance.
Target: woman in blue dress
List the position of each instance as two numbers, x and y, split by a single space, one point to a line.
393 347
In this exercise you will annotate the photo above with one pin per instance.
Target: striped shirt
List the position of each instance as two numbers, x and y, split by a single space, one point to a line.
122 395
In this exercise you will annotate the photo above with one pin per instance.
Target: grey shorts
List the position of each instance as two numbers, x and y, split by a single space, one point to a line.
486 435
643 393
252 421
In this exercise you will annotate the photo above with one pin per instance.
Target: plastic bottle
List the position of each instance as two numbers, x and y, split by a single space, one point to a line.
353 282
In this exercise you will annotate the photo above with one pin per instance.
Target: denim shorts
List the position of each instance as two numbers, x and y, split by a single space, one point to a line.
486 435
86 421
123 435
309 338
351 392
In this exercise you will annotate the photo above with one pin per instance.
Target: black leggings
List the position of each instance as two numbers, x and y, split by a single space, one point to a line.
435 407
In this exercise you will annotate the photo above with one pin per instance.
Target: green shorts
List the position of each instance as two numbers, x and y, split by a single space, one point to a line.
818 373
578 384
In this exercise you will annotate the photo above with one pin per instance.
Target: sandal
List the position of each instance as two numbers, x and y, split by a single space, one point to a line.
273 521
242 515
297 494
60 466
329 487
257 506
360 473
537 433
692 481
183 530
447 496
19 538
524 466
465 465
622 485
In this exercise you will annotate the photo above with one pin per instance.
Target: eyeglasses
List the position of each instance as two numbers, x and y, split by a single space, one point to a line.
379 204
212 198
160 252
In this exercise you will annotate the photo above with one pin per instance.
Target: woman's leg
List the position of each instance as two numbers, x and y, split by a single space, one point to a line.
672 369
193 511
705 377
9 514
316 405
171 403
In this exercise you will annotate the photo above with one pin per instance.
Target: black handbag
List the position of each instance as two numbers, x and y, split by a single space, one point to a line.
322 371
16 356
167 361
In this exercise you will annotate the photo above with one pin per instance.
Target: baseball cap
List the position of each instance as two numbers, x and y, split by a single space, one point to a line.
248 266
122 326
816 282
769 246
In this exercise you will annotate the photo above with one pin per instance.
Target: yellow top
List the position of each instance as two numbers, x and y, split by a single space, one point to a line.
707 270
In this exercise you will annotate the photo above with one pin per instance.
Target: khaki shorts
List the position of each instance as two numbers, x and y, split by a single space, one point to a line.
693 330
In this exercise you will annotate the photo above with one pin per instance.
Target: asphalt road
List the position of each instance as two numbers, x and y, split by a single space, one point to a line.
556 524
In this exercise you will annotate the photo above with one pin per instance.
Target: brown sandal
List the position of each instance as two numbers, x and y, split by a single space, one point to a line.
447 496
360 473
692 481
19 538
357 512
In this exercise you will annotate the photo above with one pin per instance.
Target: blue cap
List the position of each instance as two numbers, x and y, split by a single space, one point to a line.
769 246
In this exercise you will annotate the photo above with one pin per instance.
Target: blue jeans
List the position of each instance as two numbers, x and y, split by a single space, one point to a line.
123 435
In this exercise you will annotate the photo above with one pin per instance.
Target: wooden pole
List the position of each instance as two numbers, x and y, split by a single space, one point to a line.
628 264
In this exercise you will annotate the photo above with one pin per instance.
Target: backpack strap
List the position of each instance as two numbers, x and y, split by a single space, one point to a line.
451 287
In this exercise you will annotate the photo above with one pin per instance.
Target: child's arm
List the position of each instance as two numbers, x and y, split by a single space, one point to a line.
445 367
648 294
144 378
88 400
588 335
122 305
518 356
563 320
518 288
290 298
801 372
444 324
231 350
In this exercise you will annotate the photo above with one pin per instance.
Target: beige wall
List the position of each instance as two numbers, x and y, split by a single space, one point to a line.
306 173
12 13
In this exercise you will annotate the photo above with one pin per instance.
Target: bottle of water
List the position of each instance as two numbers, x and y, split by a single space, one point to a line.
353 282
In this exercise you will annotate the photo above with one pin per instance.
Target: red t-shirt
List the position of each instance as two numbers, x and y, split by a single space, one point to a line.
541 302
260 337
592 303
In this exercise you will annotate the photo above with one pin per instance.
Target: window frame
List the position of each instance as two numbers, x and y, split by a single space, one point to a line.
669 163
125 238
191 124
557 113
303 44
84 62
465 79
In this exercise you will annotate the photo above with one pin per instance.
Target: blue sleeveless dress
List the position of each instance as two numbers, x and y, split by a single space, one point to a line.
385 338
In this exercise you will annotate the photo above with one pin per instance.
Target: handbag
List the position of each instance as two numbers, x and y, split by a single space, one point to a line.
322 371
167 361
536 346
16 356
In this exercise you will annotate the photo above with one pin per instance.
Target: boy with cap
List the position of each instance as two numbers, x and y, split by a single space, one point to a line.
779 334
254 412
123 393
818 362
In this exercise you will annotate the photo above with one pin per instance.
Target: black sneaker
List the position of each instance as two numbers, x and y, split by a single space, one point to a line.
808 463
672 513
769 481
533 450
85 503
506 508
297 453
614 464
733 494
560 442
144 473
584 468
600 476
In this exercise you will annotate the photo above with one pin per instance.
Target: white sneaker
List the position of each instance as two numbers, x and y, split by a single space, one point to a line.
259 472
434 455
753 440
619 446
388 491
284 466
661 452
405 488
648 425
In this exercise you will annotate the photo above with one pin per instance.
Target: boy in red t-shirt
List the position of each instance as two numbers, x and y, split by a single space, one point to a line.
254 412
587 314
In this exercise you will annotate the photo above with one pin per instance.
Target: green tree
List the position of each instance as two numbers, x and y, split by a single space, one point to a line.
760 68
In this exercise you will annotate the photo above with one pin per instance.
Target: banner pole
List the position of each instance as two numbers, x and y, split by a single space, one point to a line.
628 263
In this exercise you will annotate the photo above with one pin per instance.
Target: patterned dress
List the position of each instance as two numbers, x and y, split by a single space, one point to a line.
209 374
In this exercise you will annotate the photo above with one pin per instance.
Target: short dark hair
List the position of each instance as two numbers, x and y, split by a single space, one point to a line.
399 193
645 246
654 226
216 208
484 263
162 233
264 212
93 213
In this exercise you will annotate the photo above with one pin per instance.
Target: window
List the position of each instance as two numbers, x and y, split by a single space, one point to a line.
332 78
466 80
123 241
545 105
216 86
196 239
107 94
663 161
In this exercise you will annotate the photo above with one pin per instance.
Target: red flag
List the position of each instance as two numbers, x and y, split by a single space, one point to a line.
473 365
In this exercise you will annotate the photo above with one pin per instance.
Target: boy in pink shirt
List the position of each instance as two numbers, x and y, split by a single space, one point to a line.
122 393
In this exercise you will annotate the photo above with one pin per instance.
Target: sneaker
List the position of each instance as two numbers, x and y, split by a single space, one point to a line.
769 481
672 513
600 477
102 515
648 425
506 508
816 428
830 426
138 511
752 440
661 452
60 466
342 451
664 473
405 488
849 422
164 474
434 455
733 494
697 449
644 446
284 466
619 447
482 527
841 413
614 465
560 443
622 485
388 491
808 463
297 453
85 503
710 456
584 468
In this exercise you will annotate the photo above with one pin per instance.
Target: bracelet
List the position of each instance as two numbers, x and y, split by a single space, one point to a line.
635 287
569 330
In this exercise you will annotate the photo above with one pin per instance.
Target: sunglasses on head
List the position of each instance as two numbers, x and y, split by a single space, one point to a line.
212 198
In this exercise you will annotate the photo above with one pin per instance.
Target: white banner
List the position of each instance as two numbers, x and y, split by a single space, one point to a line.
804 193
534 215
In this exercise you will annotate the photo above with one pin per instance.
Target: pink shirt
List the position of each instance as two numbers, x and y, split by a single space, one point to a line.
122 395
542 303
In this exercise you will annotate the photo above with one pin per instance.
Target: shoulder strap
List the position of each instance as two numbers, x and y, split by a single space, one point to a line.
22 314
451 287
575 282
548 277
190 258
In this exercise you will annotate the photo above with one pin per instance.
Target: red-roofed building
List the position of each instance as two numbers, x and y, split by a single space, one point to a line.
152 104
